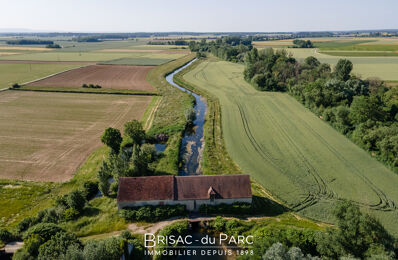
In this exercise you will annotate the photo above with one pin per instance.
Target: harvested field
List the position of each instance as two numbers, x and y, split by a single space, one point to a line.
296 156
107 76
47 136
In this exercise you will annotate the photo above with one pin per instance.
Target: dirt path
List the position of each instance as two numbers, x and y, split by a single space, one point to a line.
151 117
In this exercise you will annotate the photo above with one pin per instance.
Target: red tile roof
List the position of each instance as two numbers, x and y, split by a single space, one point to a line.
146 188
224 186
183 187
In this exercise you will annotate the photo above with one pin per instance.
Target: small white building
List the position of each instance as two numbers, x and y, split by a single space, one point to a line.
191 191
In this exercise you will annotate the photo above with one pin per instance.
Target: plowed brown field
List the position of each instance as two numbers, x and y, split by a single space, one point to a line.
47 136
107 76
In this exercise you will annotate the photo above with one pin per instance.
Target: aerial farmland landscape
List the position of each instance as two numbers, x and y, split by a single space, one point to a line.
174 130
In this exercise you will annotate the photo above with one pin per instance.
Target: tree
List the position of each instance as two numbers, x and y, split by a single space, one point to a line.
312 62
103 176
134 130
74 252
58 245
141 158
108 249
112 138
366 108
76 200
357 235
279 252
343 69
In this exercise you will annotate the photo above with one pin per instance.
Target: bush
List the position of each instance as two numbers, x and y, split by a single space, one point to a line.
26 223
235 208
76 200
152 213
5 235
16 85
70 214
32 244
45 230
48 216
219 224
21 254
91 86
114 187
90 189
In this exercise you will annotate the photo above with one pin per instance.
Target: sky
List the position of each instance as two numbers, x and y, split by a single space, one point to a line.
198 15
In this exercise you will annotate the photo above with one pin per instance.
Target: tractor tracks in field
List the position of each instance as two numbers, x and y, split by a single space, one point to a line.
384 204
312 183
310 198
320 189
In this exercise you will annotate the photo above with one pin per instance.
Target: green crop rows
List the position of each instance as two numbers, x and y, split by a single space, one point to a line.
292 153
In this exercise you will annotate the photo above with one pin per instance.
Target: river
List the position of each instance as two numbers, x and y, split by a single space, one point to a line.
192 142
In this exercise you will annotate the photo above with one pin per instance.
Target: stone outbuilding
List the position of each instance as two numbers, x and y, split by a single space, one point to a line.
191 191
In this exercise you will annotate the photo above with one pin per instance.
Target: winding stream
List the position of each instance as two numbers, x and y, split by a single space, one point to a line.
192 142
191 154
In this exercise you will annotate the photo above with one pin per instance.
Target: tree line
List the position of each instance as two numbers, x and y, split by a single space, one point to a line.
29 42
231 48
364 110
355 236
176 42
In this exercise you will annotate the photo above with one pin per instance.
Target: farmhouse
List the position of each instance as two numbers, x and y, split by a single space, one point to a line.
191 191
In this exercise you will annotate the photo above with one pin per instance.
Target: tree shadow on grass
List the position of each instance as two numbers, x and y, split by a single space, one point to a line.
266 207
91 212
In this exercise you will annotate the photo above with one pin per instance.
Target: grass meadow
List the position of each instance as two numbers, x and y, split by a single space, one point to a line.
296 156
21 73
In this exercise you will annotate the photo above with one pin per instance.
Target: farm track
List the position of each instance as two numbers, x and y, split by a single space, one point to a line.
296 156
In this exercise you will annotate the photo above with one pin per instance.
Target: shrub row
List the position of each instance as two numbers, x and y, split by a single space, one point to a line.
152 213
91 86
235 208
